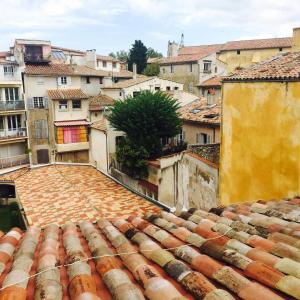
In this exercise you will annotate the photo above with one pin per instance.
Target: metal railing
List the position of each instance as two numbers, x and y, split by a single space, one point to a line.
13 133
12 105
13 161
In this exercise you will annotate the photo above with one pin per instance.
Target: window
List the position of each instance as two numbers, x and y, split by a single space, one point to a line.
203 138
164 70
104 64
41 129
101 80
135 93
88 79
216 69
13 122
238 52
114 65
181 136
38 102
8 70
63 105
157 88
280 49
120 94
191 68
176 88
171 69
168 88
76 104
11 94
207 66
63 80
191 87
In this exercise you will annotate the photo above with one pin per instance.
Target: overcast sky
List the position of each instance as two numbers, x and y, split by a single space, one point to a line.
111 25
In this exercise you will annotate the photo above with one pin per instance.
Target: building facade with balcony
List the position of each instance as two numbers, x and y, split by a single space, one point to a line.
13 127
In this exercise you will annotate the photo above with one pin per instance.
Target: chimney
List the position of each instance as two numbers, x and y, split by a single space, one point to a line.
134 70
296 39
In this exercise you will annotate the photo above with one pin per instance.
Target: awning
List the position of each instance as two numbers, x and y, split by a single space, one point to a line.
72 123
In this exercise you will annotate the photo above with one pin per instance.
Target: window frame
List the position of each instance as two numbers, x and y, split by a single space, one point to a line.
8 73
63 80
114 65
12 93
207 64
76 101
104 64
60 105
38 102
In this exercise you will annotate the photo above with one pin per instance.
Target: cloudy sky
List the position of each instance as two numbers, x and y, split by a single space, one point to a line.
111 25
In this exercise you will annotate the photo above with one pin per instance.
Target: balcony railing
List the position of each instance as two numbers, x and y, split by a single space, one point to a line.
12 133
12 105
13 161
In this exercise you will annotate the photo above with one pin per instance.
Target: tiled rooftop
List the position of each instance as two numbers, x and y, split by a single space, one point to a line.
199 111
194 53
129 82
99 102
59 94
100 125
245 251
212 82
60 193
285 66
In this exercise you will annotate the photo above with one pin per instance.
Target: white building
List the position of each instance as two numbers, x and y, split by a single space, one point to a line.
13 131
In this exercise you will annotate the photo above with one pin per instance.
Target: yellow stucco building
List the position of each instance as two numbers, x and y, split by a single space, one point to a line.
260 136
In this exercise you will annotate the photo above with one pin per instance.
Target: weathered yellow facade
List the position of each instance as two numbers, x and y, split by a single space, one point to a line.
260 152
246 58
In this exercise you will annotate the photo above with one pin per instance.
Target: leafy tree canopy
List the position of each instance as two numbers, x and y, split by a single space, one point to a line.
138 55
151 70
146 119
151 53
121 55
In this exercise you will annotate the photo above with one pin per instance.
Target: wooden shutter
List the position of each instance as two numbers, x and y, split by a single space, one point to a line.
59 135
30 103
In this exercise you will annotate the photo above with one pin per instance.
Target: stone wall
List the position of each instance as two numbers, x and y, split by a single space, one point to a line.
210 152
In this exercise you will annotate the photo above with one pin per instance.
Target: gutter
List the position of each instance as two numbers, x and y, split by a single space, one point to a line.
163 206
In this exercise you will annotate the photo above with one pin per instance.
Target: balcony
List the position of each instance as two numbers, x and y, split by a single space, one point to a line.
70 147
13 134
12 105
13 161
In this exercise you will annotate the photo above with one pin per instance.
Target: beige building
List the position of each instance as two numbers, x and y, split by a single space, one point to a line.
13 127
58 83
193 65
201 122
131 87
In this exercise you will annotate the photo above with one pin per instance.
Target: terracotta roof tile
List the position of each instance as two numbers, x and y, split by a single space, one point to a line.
90 195
214 82
100 101
59 94
285 42
199 111
196 255
72 123
107 58
59 69
100 125
285 66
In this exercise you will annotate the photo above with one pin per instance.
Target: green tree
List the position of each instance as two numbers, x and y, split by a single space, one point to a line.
133 158
151 70
138 55
146 119
121 55
151 53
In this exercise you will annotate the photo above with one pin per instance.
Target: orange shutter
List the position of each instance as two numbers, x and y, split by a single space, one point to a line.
60 135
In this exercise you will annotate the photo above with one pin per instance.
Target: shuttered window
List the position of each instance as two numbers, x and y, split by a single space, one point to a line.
41 129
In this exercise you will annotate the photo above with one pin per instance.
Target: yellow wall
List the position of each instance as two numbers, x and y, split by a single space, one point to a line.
260 152
247 57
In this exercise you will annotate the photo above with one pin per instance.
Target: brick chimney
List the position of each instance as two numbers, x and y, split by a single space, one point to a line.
296 39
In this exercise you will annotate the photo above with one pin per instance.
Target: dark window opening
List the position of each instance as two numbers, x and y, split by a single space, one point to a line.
88 79
280 49
76 104
33 53
101 80
238 52
168 88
